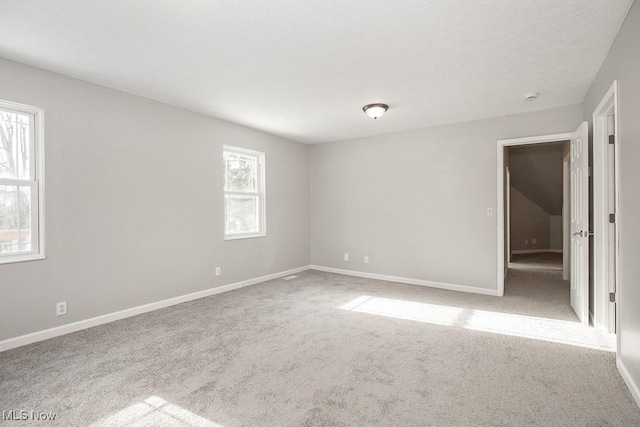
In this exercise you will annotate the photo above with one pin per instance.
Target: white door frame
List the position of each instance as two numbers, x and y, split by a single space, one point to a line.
566 216
508 213
602 269
502 144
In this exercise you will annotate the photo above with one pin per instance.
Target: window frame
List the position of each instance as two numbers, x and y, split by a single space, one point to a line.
36 183
260 194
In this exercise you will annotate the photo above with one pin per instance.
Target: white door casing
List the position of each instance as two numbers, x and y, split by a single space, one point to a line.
606 274
579 276
508 215
502 144
611 226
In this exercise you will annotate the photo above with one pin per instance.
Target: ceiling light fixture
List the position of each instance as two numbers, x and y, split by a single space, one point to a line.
531 96
375 110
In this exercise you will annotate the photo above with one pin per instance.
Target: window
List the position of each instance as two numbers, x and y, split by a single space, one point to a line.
244 205
21 183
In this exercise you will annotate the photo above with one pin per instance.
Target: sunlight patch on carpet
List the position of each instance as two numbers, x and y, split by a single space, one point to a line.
537 328
155 411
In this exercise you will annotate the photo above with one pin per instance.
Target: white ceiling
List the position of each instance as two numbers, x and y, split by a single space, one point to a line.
303 69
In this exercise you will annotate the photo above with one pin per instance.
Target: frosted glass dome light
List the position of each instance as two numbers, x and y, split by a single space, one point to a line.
375 110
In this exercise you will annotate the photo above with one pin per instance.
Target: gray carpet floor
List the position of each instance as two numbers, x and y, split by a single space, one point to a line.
331 350
545 260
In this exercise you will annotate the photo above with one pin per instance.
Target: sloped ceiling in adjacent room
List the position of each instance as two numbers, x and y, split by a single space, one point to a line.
536 172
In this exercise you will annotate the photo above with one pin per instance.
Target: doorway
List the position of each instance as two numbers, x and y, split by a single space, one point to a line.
535 206
536 236
579 214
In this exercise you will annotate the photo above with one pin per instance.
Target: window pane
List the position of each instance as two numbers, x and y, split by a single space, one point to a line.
15 145
241 172
15 219
24 242
242 214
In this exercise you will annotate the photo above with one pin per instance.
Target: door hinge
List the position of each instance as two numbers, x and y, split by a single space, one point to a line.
612 297
612 218
612 139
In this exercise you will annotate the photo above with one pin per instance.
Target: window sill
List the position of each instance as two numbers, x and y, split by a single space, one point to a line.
10 259
244 236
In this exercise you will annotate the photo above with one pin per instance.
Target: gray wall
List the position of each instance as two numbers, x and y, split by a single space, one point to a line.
555 232
623 64
134 208
415 202
536 171
528 222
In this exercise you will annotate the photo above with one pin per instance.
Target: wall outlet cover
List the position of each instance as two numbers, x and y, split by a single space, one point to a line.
61 308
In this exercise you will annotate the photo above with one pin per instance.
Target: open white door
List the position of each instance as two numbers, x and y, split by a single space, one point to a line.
507 214
579 274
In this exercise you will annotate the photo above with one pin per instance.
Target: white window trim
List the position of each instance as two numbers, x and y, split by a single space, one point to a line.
38 222
262 194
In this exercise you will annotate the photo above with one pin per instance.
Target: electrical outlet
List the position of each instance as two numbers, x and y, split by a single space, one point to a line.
346 257
366 260
218 271
534 241
526 242
61 308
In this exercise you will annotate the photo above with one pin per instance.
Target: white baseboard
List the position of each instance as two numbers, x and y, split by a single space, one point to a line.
134 311
633 387
439 285
537 251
